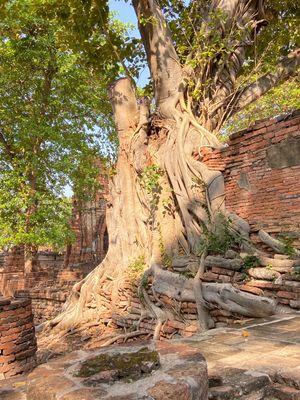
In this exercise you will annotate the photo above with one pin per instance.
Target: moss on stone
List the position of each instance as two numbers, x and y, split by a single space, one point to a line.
131 365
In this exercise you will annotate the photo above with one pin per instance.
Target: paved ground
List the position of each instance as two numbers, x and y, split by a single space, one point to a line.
259 350
265 345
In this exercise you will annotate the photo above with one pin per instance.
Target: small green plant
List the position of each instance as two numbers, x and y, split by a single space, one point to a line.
150 178
150 181
295 275
144 281
218 239
188 274
250 262
137 265
166 259
244 277
269 266
287 238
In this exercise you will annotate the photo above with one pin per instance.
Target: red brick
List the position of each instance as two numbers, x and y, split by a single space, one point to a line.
288 295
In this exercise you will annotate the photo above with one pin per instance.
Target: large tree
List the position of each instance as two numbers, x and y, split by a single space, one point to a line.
166 207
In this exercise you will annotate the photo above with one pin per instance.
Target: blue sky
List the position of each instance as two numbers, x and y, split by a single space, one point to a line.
125 10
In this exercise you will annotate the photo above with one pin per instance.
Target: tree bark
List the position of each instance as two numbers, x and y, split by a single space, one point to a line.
158 227
163 61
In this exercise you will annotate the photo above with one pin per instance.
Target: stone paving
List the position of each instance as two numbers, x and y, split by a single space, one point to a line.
257 361
265 345
269 346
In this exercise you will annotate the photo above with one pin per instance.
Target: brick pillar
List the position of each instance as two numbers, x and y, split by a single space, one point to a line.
17 337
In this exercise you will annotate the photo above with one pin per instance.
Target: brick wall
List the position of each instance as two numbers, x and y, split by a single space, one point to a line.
13 277
17 337
261 167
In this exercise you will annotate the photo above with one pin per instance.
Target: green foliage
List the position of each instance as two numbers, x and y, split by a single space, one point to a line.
54 116
150 178
250 262
137 265
166 259
282 99
150 20
202 41
150 181
56 60
48 225
277 38
218 238
287 238
144 283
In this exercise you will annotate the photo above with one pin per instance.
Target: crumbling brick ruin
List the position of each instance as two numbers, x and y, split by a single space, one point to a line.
261 166
89 225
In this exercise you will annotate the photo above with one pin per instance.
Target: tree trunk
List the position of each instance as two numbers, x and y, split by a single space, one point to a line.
30 258
162 200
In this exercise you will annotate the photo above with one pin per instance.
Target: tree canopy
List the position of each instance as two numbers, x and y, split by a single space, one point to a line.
55 118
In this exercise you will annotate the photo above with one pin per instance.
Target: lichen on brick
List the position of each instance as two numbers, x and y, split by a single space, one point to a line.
127 366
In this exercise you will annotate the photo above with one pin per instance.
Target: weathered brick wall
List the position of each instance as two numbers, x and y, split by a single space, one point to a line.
13 277
46 301
261 167
17 337
49 297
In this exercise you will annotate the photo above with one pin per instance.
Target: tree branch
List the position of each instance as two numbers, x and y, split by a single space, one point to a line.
235 23
124 106
165 68
285 69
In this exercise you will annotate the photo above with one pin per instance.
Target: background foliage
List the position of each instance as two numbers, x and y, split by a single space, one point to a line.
55 118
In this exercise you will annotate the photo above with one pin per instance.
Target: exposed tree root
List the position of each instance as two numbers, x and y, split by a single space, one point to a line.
202 305
221 295
275 244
